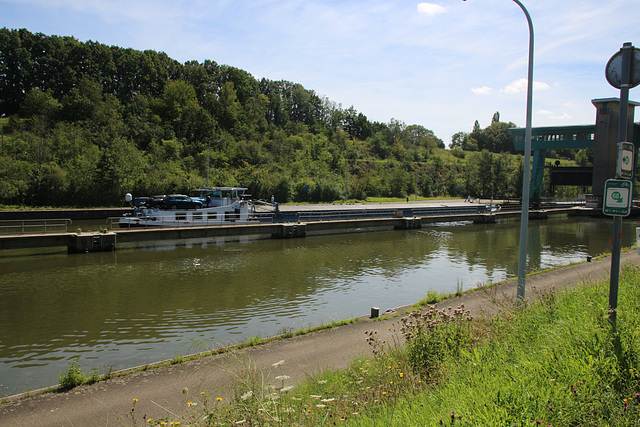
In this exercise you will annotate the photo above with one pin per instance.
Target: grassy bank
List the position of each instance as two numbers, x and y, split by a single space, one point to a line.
557 362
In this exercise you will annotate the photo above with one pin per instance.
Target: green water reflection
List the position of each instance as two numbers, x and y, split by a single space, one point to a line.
140 305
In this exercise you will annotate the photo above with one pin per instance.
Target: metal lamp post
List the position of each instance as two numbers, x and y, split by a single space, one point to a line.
524 218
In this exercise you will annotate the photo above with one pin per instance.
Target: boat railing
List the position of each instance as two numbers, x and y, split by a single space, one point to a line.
114 222
35 226
347 214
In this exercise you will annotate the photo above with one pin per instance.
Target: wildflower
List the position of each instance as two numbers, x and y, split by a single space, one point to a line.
150 420
218 399
286 389
283 377
191 403
324 381
275 365
401 375
329 400
384 392
246 395
135 400
202 393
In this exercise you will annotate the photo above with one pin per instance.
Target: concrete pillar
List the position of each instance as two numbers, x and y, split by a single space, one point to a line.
605 149
485 219
409 224
83 243
290 231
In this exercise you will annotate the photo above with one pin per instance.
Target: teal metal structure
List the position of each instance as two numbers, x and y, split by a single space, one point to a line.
549 138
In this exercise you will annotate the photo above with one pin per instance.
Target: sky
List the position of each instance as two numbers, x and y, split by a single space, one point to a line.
442 64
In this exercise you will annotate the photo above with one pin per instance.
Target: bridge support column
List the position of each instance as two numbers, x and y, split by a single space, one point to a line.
539 157
290 231
83 243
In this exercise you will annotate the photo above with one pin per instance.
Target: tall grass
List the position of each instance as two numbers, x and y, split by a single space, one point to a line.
555 363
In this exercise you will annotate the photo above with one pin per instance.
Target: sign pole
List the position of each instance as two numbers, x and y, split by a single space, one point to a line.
625 78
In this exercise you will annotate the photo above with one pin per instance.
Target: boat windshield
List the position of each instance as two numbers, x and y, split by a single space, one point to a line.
220 196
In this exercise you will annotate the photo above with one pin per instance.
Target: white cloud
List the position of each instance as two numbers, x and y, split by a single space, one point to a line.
555 116
387 59
430 9
520 85
484 90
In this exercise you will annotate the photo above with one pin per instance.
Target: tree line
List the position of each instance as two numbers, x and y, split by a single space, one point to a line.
82 123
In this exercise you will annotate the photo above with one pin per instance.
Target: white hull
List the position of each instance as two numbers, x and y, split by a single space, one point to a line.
237 212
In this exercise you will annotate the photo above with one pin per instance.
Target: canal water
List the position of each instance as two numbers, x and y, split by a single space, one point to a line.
144 304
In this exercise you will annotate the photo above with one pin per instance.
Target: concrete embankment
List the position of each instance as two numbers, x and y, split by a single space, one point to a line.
100 242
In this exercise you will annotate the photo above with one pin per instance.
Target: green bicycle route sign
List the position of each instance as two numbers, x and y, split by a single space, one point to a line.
625 160
617 197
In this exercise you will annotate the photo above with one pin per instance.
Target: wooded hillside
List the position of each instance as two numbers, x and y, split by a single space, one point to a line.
82 123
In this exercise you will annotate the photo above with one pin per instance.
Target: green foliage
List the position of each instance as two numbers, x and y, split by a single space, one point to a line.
73 376
434 336
85 132
558 362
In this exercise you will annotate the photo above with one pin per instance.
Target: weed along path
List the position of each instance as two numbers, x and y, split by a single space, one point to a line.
175 390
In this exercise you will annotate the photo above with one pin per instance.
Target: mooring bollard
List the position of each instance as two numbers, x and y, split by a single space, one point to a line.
375 312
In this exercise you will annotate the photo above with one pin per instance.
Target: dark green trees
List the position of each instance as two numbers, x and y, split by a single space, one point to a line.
83 123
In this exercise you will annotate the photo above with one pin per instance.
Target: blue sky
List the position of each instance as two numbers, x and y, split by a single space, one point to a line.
442 64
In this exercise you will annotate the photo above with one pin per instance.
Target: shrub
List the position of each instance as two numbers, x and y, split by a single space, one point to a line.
73 376
435 335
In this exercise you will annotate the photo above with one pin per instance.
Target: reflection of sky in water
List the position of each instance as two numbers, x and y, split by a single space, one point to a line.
143 305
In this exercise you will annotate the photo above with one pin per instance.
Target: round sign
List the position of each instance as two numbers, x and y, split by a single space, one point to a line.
614 70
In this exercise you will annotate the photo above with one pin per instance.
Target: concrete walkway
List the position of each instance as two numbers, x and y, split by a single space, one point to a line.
166 391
